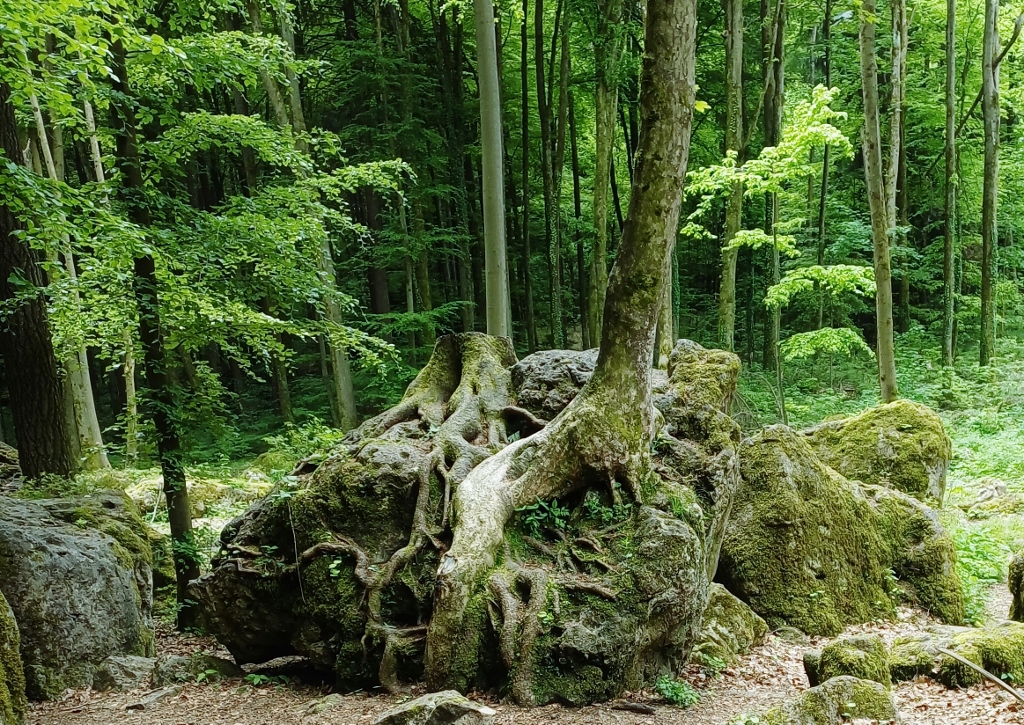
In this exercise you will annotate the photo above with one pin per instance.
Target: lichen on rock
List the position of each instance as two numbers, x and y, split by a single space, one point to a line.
900 445
13 704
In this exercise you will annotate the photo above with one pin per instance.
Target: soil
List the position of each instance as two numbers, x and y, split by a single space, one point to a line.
759 680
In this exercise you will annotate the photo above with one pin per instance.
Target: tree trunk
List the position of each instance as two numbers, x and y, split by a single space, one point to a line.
826 35
949 209
577 205
606 60
773 68
546 155
274 97
605 432
186 558
555 253
733 142
990 191
524 73
131 406
34 382
493 178
294 96
873 174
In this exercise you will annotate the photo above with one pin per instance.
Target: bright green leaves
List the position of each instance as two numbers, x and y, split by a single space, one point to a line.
833 280
842 341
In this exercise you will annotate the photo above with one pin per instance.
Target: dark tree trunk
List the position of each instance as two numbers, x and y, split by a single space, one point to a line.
35 385
160 400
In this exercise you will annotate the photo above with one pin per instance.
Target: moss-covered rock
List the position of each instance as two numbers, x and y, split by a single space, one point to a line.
921 553
806 547
999 649
901 445
76 573
730 629
862 656
1016 584
801 546
835 701
13 704
911 656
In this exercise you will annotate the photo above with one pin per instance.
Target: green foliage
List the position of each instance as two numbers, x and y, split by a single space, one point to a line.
676 692
258 680
541 515
828 340
833 280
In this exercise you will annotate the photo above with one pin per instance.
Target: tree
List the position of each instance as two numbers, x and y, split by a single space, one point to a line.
30 366
605 432
151 335
607 48
493 175
990 190
949 197
873 174
733 142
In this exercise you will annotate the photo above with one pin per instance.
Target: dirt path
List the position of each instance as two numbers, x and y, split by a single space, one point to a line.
769 674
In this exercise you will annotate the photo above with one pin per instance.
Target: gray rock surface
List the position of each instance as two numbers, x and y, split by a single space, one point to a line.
438 708
13 704
76 574
122 673
546 381
171 669
840 699
729 628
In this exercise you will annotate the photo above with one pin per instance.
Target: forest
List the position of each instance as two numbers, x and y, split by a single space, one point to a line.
416 362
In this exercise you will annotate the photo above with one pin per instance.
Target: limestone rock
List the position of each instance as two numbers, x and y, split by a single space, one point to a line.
1016 583
154 698
171 669
123 672
998 649
77 575
439 708
900 445
808 548
910 656
547 381
837 700
862 656
13 704
730 628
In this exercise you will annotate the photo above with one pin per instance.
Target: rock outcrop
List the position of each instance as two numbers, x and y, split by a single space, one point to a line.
438 708
900 445
77 575
806 547
998 649
593 594
13 704
730 628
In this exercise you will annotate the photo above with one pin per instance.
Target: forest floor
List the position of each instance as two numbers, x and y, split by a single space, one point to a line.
766 676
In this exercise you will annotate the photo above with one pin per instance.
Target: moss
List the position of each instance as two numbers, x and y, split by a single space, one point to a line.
863 656
13 705
836 700
1015 581
1000 650
909 657
901 445
730 628
577 687
921 552
801 546
466 668
111 513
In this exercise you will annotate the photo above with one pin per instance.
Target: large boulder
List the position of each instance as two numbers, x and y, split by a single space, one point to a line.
13 704
837 700
593 594
77 575
808 548
900 445
730 628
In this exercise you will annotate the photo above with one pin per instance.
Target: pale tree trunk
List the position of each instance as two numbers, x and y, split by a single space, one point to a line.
990 191
733 142
581 270
873 174
606 60
949 211
895 173
546 150
607 429
77 362
344 392
772 34
131 408
274 97
524 78
826 34
496 271
294 97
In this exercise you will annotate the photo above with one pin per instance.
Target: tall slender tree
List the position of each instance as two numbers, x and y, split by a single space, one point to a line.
949 200
733 142
990 190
